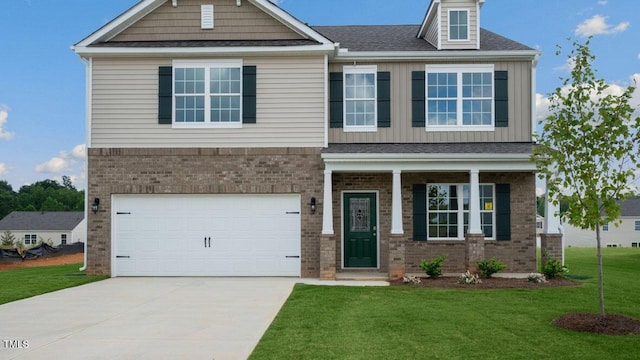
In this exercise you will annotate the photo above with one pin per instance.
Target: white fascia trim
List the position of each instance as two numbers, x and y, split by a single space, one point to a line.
173 51
326 101
427 17
534 71
478 5
120 23
291 22
347 56
386 157
431 164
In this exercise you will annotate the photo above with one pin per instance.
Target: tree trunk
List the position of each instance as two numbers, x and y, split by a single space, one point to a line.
600 272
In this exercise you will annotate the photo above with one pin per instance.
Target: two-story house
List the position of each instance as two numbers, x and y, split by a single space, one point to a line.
227 137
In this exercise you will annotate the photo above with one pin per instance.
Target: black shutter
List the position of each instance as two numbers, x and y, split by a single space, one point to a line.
384 99
335 100
165 95
503 212
501 98
418 100
248 94
420 212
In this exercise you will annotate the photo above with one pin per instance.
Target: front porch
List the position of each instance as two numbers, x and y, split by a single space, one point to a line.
404 227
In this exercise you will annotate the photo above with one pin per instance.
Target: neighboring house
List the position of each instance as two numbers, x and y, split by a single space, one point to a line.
227 137
626 234
54 227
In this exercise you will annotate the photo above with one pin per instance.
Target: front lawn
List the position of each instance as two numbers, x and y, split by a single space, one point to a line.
418 323
27 282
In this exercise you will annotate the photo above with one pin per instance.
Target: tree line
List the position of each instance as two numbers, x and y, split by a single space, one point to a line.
45 195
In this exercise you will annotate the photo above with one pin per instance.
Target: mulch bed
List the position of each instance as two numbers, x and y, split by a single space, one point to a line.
594 323
488 283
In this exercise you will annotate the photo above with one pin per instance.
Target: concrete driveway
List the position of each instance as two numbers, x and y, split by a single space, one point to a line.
144 318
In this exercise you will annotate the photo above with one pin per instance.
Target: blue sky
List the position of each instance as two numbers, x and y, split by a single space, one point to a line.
42 82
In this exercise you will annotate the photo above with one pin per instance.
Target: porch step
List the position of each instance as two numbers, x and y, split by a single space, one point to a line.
362 276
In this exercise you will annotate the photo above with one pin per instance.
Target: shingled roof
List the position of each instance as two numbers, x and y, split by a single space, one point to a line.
631 207
41 220
402 38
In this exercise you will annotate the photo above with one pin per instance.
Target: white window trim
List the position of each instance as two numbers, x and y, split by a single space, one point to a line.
460 69
206 64
635 225
468 26
461 212
355 69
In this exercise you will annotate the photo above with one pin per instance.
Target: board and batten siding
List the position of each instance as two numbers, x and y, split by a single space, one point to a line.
473 24
290 106
401 131
231 22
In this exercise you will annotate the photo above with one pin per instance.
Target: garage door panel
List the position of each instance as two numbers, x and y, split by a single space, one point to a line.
167 235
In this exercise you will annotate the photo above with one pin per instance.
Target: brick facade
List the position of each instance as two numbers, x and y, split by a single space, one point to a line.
203 171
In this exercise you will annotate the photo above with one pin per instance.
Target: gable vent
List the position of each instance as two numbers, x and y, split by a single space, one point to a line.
206 17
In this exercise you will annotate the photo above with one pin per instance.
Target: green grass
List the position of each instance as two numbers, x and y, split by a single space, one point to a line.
27 282
418 323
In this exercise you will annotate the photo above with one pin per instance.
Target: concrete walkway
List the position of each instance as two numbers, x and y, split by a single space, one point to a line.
148 318
144 318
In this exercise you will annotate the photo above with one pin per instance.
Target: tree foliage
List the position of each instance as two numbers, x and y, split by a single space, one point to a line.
588 149
46 195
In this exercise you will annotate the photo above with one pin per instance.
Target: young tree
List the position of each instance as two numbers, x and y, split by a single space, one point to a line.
7 238
588 149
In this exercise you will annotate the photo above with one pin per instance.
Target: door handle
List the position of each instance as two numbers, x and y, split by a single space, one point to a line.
209 241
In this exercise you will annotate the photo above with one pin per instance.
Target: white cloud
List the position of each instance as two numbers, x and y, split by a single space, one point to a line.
567 66
79 152
597 25
4 116
542 107
603 2
54 165
3 169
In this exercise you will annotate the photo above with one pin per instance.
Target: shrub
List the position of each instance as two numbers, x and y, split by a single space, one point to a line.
537 278
433 268
469 278
489 267
553 268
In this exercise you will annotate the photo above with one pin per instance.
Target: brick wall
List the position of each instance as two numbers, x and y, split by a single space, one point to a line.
203 171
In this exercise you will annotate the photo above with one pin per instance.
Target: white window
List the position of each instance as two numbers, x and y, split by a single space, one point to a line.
360 98
458 25
637 225
459 98
448 211
30 239
63 239
605 226
207 94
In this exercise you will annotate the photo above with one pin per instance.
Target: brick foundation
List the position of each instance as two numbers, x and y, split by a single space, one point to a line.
474 246
397 257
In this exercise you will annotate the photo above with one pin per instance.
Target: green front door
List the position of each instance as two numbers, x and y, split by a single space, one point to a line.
360 230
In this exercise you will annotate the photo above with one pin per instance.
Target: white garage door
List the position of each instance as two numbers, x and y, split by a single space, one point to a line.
206 235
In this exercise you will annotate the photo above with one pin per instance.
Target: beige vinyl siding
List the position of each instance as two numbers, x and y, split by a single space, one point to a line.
432 32
231 22
290 106
473 24
401 131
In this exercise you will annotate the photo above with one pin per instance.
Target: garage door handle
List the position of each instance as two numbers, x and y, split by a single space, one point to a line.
207 242
292 257
122 257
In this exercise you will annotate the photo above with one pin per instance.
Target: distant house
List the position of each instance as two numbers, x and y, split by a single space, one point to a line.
55 227
627 234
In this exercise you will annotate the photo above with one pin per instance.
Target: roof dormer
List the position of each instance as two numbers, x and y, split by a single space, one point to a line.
452 24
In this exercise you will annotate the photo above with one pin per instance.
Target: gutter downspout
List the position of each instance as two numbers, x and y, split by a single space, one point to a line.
88 84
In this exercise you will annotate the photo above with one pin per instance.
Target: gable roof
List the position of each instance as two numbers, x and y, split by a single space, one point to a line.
144 7
41 220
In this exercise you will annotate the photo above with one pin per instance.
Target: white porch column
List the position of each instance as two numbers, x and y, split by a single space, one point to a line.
327 204
551 216
396 204
474 203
